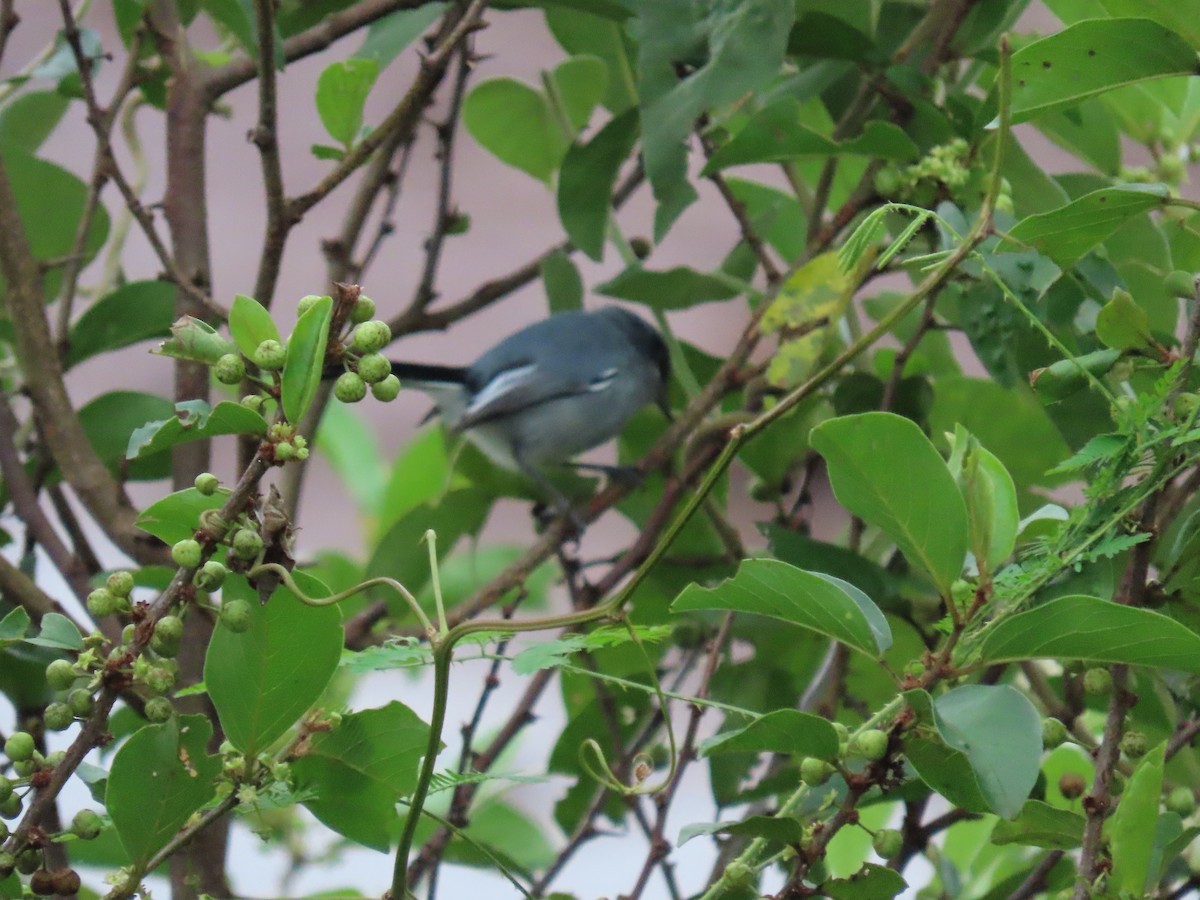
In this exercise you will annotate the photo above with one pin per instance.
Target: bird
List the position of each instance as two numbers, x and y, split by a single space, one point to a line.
550 391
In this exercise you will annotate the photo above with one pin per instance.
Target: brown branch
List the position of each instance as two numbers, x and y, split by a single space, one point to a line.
237 72
266 137
8 23
402 120
16 585
1036 879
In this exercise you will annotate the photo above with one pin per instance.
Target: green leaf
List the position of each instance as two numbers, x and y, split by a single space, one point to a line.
361 768
14 625
305 359
1041 825
159 777
133 312
821 603
1067 233
991 499
50 201
352 450
513 837
194 420
342 90
388 37
1095 631
922 510
871 882
58 632
1123 325
29 119
579 32
775 134
778 829
176 516
781 731
517 125
676 288
563 284
195 340
585 183
250 324
1091 57
579 83
236 17
111 419
1000 733
262 680
1131 830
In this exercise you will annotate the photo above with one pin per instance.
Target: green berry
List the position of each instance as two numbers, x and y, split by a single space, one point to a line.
815 771
8 863
306 303
247 543
1097 682
1116 783
373 368
207 483
170 628
160 679
186 553
1134 744
210 576
86 824
128 633
120 584
870 744
60 674
1182 801
159 710
6 790
302 454
101 602
81 702
386 390
887 842
253 402
1054 733
371 336
349 388
10 807
4 833
363 310
230 369
58 717
29 861
235 615
285 451
20 746
270 355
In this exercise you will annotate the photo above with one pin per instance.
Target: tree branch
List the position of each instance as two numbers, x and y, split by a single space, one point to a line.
266 137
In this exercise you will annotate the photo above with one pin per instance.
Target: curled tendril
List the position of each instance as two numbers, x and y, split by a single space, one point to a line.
286 577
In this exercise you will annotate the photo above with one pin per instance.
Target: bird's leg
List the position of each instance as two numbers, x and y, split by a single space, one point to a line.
561 504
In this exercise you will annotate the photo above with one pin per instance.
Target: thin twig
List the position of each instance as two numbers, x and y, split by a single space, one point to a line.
266 138
8 23
1036 879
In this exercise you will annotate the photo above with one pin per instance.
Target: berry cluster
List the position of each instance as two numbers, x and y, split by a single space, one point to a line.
367 366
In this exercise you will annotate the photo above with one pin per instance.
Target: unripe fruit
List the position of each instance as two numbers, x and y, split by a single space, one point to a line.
1097 682
207 483
58 717
8 863
28 861
887 842
230 369
19 746
66 881
42 883
270 355
1071 785
10 807
306 303
211 575
60 675
870 744
86 824
371 336
6 789
386 390
1182 801
1054 733
4 833
362 311
160 679
101 602
373 368
247 543
81 702
55 759
24 768
252 402
235 615
128 633
285 451
815 771
349 388
1134 744
186 553
159 710
120 584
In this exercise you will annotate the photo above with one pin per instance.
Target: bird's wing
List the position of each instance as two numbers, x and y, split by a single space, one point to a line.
523 386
